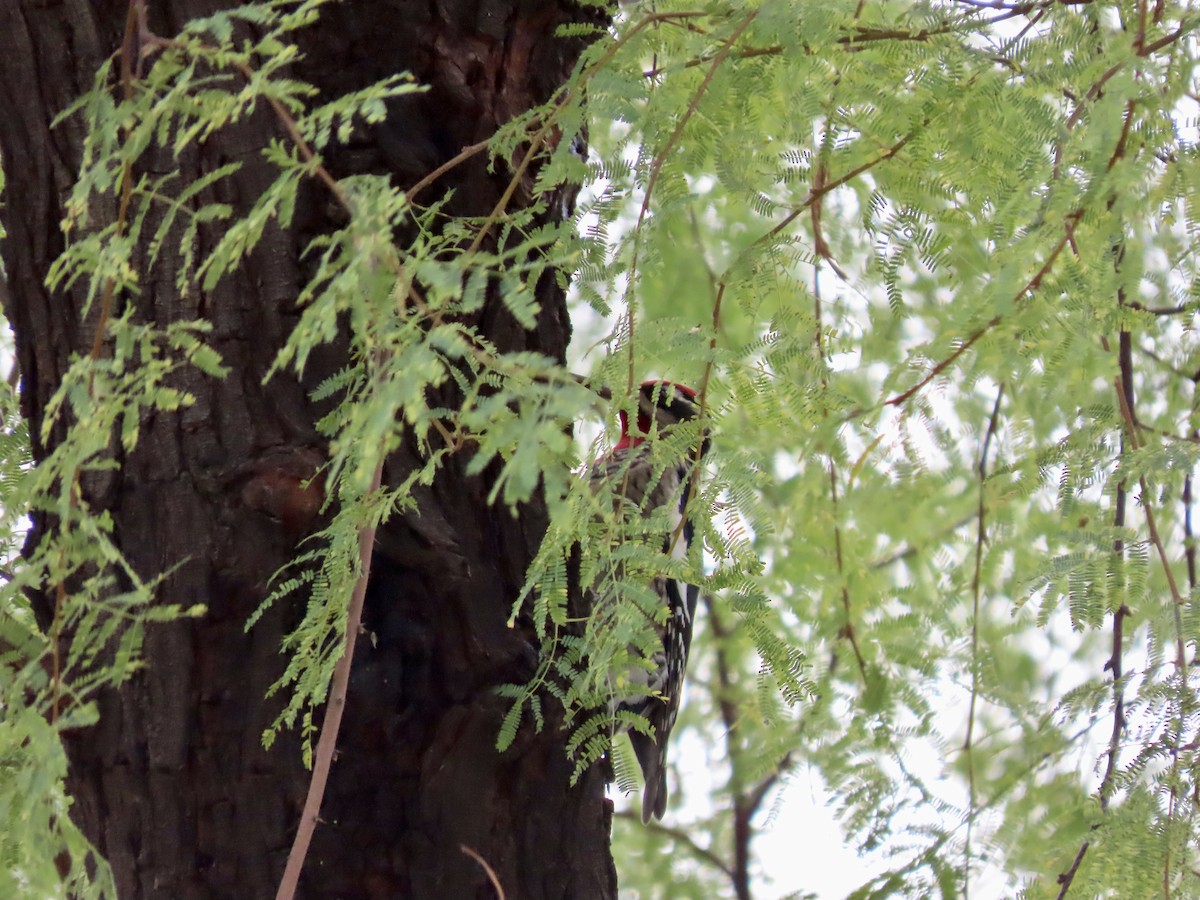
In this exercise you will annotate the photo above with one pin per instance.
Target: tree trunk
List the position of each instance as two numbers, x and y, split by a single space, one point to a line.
173 785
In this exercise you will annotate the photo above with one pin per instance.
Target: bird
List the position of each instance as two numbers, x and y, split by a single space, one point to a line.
640 479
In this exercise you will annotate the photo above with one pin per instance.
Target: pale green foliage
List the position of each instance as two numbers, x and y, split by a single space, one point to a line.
990 203
1006 192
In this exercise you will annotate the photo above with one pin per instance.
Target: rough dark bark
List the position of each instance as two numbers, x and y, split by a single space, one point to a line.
173 785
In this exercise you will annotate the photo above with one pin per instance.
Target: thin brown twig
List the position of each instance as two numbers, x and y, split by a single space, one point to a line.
739 872
1069 222
1030 286
130 71
338 692
302 146
861 35
1124 393
848 631
718 297
683 837
1031 24
909 550
820 245
535 145
1162 310
976 593
656 166
1129 439
1165 40
712 350
1114 664
459 158
1176 597
815 194
693 486
1189 536
567 94
282 115
60 599
1168 366
756 797
1021 8
306 152
1123 385
488 870
1065 879
1094 91
1098 85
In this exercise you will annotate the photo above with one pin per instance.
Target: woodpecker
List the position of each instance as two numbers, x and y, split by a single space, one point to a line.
630 469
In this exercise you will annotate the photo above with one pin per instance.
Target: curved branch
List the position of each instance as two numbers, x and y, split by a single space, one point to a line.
976 594
682 837
339 689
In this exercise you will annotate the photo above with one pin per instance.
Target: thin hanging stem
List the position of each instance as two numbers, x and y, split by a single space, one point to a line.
338 693
977 593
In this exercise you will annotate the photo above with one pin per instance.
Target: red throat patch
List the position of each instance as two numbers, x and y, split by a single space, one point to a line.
631 440
643 423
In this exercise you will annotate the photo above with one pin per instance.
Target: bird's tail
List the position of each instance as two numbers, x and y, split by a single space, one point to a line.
652 758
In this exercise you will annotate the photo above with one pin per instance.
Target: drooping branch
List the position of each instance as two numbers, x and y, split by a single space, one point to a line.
683 838
976 596
339 691
848 631
730 715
